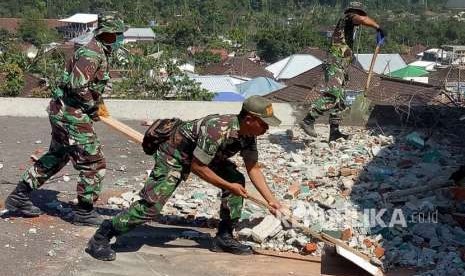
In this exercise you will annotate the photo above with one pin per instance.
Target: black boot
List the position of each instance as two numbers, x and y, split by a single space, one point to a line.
19 201
225 242
308 126
85 215
335 133
99 245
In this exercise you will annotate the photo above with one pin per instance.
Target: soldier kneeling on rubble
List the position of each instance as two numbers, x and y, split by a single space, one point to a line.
202 146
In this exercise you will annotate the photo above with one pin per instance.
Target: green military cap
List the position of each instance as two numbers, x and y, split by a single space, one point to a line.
356 7
109 22
262 108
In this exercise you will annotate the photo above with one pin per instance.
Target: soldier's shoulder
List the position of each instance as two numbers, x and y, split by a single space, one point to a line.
223 121
92 50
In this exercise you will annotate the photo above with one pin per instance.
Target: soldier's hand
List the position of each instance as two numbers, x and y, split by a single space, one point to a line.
238 190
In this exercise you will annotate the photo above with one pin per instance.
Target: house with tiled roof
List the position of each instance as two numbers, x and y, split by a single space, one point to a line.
237 66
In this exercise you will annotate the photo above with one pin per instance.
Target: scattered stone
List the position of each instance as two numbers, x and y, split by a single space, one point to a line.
245 233
115 200
51 253
269 227
32 231
66 178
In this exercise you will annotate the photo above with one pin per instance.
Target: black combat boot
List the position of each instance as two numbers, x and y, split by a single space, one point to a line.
99 245
225 242
85 215
19 201
308 126
335 133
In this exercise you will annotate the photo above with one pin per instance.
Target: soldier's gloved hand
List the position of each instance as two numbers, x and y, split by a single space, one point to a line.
102 110
380 35
238 190
99 111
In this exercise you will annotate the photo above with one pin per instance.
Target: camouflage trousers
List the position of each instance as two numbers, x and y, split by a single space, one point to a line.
333 99
87 158
163 181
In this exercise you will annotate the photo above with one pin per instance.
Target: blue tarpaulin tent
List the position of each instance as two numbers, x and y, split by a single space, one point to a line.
259 86
228 97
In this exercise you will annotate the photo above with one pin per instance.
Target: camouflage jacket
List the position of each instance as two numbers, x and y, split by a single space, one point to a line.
211 140
342 41
85 77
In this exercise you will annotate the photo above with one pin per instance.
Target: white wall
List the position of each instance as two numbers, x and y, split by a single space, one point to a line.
143 109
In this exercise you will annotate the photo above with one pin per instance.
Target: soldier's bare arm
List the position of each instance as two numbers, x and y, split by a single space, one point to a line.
365 21
257 178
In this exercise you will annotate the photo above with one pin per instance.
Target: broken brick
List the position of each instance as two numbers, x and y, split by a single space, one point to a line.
346 172
332 172
293 191
359 160
379 252
346 234
310 247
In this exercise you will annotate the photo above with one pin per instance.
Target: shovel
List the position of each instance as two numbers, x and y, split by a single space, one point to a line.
361 108
342 249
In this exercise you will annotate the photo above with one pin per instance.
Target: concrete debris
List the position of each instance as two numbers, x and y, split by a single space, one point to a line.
51 253
66 178
115 201
1 166
38 142
337 186
269 227
32 231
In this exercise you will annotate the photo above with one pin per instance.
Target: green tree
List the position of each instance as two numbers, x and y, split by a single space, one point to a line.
34 30
149 78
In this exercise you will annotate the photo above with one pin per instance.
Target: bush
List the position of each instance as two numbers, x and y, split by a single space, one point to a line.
11 80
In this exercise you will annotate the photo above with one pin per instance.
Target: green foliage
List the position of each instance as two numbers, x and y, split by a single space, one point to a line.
11 80
149 78
34 30
206 57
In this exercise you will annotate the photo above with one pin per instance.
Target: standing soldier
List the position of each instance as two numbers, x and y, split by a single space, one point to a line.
202 146
75 105
340 56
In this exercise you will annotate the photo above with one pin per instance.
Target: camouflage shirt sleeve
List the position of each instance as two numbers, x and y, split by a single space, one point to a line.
88 78
249 152
211 134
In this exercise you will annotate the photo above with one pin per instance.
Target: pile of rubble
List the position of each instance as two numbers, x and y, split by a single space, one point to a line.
347 189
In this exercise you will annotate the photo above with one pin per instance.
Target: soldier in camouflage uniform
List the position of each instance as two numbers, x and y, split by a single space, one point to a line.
75 105
202 146
340 56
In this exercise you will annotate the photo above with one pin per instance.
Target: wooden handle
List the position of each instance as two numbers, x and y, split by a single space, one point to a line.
372 65
123 128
